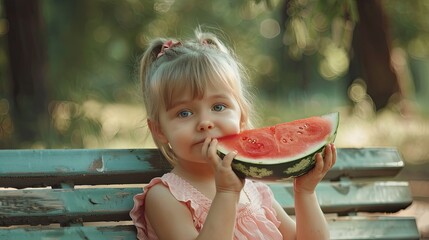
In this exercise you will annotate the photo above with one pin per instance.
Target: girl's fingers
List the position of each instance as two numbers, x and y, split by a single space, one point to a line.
212 154
328 157
205 146
334 154
318 167
226 162
212 150
207 151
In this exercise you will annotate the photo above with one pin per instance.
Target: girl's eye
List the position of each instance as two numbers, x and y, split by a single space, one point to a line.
184 114
219 107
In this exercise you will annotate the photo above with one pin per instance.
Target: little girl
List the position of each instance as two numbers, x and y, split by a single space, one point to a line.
194 93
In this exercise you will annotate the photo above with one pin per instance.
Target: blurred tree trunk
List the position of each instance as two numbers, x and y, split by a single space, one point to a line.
28 63
372 47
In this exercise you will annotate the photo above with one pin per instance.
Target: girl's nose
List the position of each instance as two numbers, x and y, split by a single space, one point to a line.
205 125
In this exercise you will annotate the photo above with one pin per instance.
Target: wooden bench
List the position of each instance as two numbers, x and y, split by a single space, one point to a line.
75 194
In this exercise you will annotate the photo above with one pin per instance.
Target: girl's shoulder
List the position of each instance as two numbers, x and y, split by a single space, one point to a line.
158 206
175 187
158 192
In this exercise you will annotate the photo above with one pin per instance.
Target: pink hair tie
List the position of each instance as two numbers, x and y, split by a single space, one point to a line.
167 45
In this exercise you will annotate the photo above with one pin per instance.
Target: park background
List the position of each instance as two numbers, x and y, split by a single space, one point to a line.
69 69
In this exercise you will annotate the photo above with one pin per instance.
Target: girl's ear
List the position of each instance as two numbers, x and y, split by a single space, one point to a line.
156 131
243 124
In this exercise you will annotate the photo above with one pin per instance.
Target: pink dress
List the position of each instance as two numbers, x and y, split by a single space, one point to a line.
256 220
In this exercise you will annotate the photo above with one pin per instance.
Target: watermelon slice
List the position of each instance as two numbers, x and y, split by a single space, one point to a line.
282 151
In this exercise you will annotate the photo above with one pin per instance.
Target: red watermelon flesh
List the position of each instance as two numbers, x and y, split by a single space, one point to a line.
283 142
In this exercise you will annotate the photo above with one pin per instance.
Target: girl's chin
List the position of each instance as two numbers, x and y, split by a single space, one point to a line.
194 158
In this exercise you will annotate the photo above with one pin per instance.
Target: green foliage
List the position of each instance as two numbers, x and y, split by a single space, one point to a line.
298 55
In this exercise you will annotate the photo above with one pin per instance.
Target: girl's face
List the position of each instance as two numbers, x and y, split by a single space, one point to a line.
189 121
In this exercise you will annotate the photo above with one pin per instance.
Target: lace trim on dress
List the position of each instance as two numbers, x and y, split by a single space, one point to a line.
197 202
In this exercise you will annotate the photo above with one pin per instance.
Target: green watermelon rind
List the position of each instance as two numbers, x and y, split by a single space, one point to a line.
280 169
274 172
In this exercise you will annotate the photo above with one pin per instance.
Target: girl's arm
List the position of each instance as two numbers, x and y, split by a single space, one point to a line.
287 225
220 222
310 221
172 219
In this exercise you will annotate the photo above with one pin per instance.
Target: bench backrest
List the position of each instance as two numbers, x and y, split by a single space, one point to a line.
69 186
39 168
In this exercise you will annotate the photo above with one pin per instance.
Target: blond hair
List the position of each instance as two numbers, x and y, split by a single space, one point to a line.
195 65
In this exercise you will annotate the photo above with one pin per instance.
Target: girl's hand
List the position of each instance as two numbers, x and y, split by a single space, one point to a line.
307 183
226 180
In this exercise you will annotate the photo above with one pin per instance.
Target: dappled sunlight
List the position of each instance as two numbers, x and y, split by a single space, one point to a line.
269 28
386 128
122 126
335 62
62 114
400 124
93 124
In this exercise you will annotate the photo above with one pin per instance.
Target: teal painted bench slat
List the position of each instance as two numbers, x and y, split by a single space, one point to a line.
125 232
65 206
366 162
386 228
55 205
341 229
32 168
38 168
344 198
